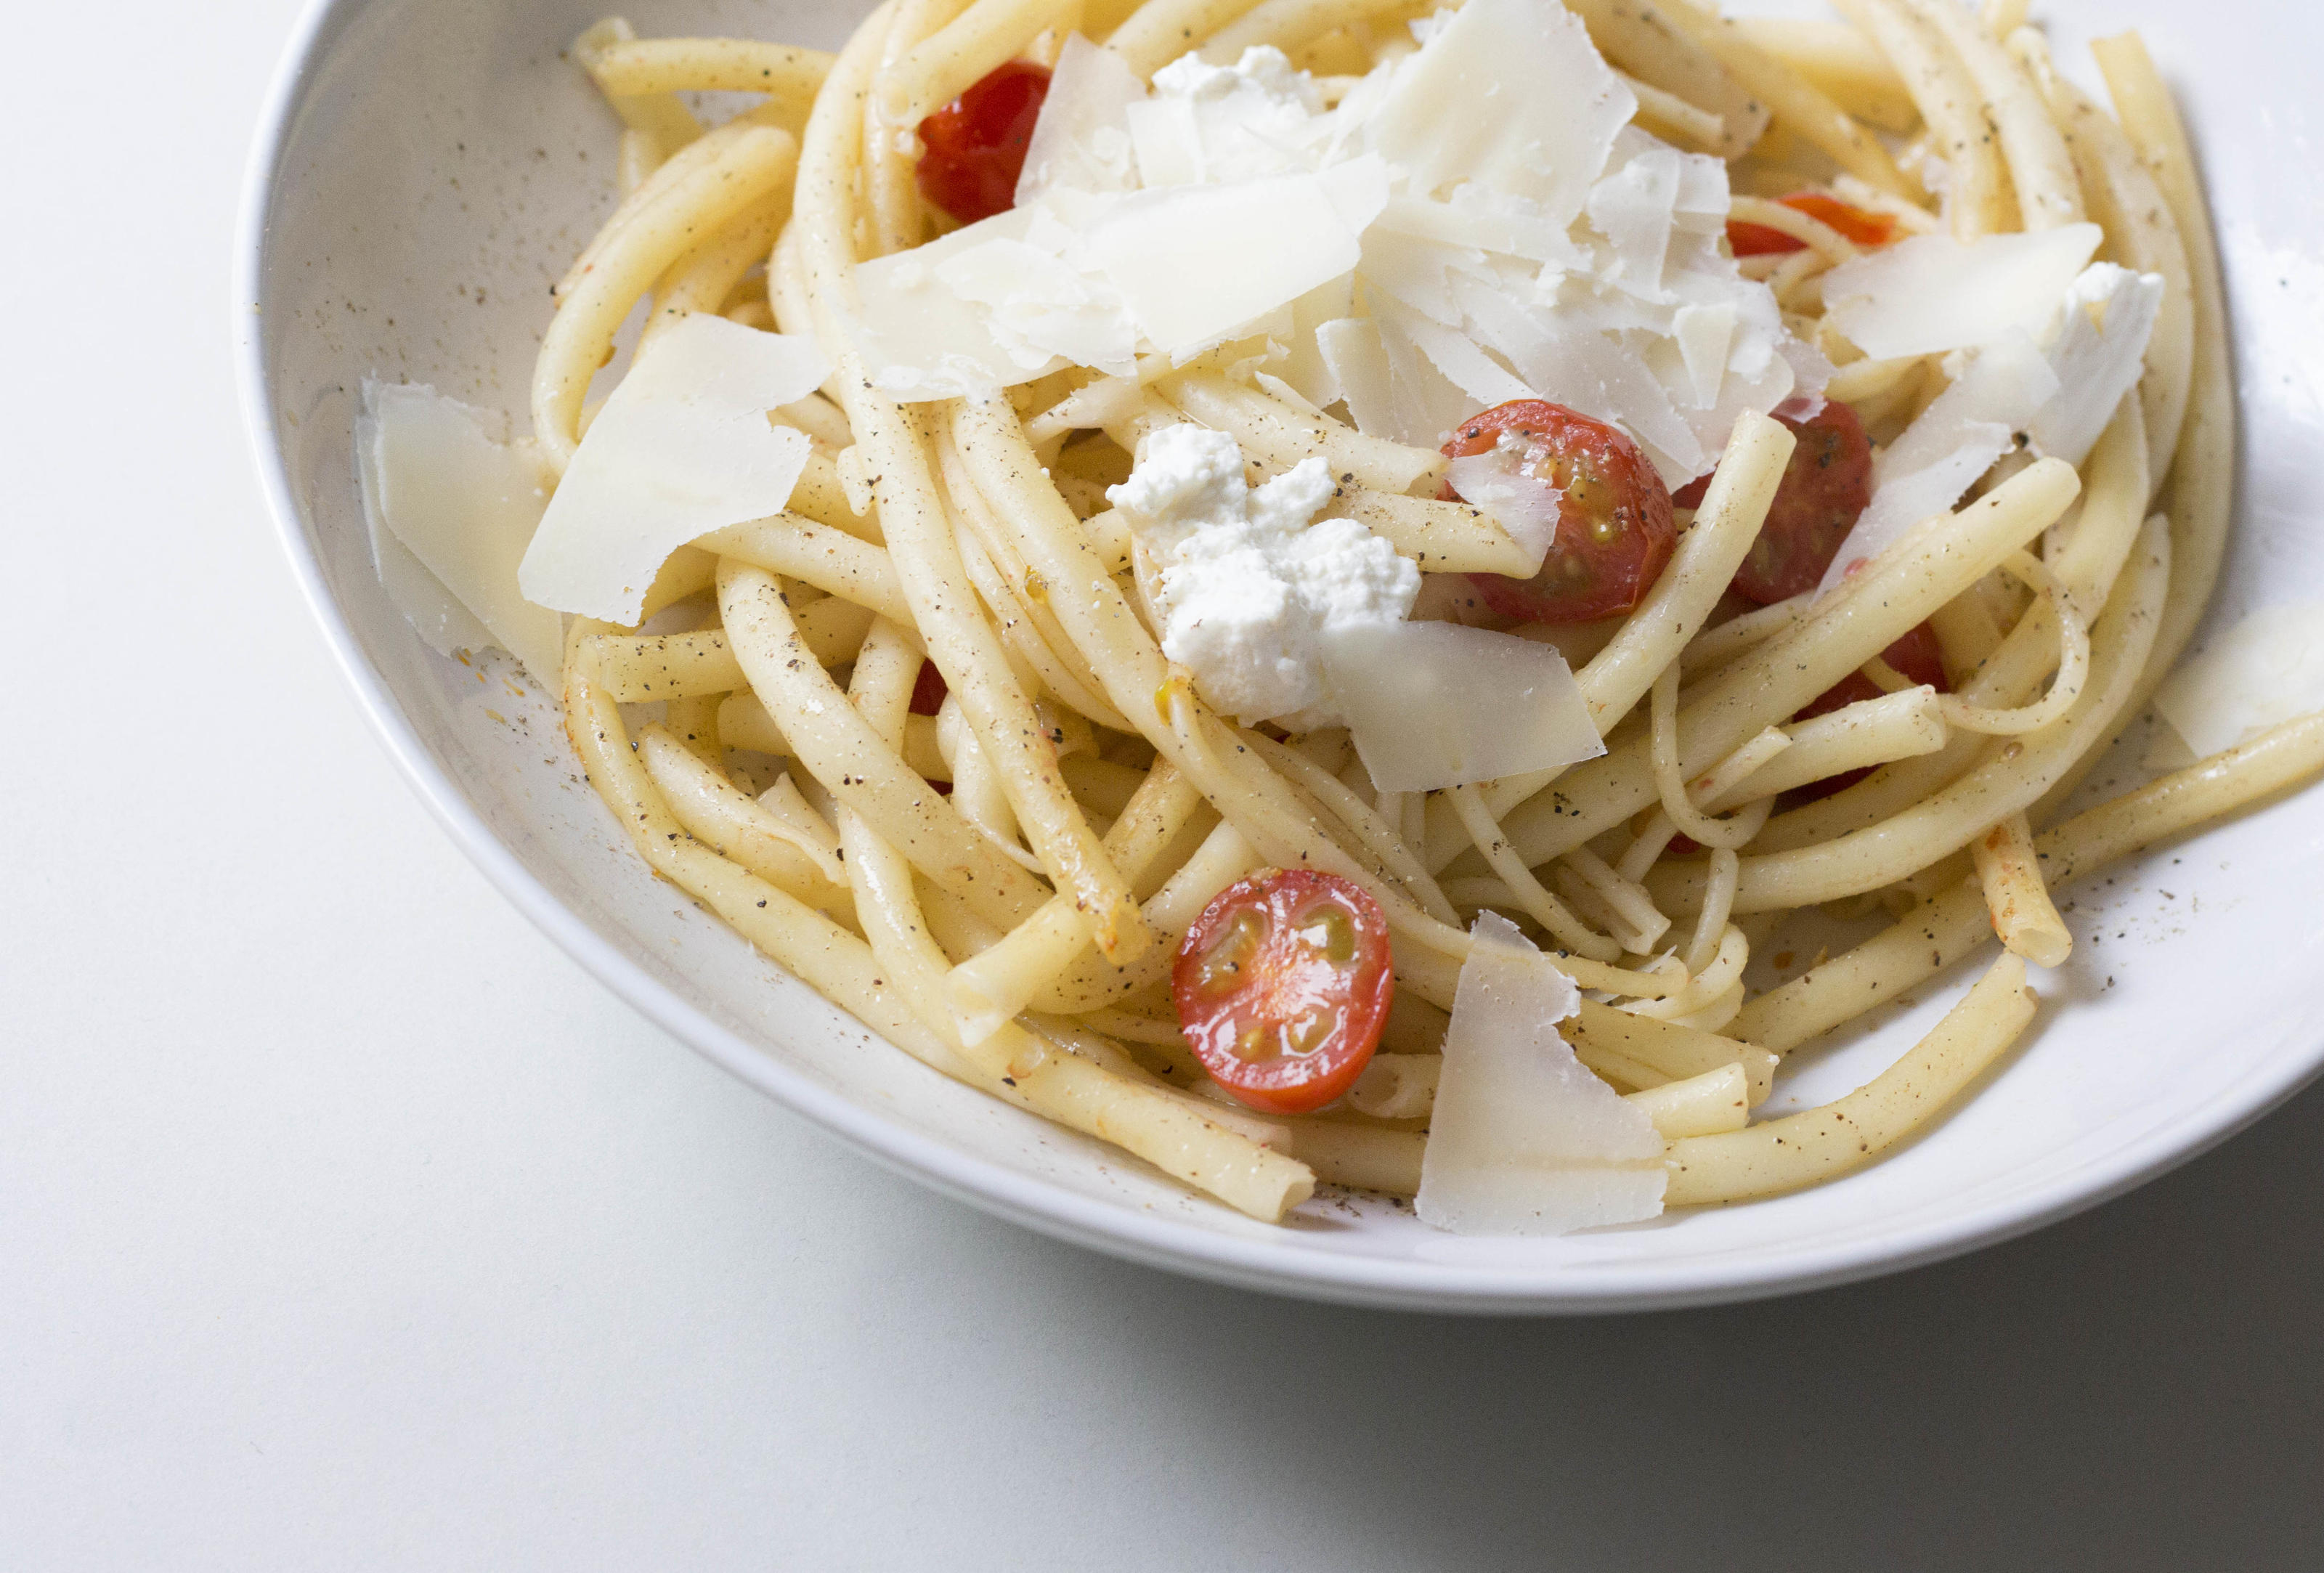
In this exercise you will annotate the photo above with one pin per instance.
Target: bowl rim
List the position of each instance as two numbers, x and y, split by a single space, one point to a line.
992 1187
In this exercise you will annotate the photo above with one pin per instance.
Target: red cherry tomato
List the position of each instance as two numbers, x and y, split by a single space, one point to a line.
1826 487
1917 658
1282 987
1759 240
976 144
1615 534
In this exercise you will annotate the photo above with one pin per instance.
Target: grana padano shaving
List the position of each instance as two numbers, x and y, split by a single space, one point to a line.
683 447
1956 440
1932 293
2098 356
2267 670
451 511
1524 1139
1435 704
1511 94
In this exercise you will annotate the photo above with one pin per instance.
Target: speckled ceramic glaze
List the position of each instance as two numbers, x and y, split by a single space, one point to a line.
428 167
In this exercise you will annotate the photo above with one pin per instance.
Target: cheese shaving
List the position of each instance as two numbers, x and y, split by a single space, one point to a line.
451 511
1433 705
1524 1139
1082 139
1932 293
1498 483
1508 95
683 447
1475 223
2098 355
2267 670
1956 440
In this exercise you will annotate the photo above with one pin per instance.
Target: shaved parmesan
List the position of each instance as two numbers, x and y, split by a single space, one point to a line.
1358 364
1520 501
451 511
1433 704
1635 207
435 613
1424 405
1304 367
1956 440
1416 273
1082 139
1040 308
1168 143
1932 293
1509 94
1485 382
1475 223
1704 334
2098 355
1565 359
1524 1139
921 340
683 447
1197 263
1476 220
2267 670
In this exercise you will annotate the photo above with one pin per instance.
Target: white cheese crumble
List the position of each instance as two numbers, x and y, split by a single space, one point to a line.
1247 589
1209 123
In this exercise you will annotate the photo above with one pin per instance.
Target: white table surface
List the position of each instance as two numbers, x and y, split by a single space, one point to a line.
344 1224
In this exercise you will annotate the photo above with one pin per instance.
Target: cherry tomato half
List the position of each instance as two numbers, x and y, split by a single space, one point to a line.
1282 987
1826 487
1759 240
1615 534
976 144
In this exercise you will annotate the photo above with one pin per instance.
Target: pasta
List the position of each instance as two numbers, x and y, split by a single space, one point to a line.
1006 872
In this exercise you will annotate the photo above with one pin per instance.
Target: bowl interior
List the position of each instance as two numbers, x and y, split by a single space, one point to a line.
436 164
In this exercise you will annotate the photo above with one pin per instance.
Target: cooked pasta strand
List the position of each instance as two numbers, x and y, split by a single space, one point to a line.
1783 1154
1939 932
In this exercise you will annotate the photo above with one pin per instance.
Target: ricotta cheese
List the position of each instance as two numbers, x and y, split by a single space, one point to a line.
1247 589
1307 623
1524 1139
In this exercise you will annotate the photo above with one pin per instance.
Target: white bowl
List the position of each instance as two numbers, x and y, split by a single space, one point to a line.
427 167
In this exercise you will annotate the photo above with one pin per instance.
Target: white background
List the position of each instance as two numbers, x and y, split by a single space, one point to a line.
344 1224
